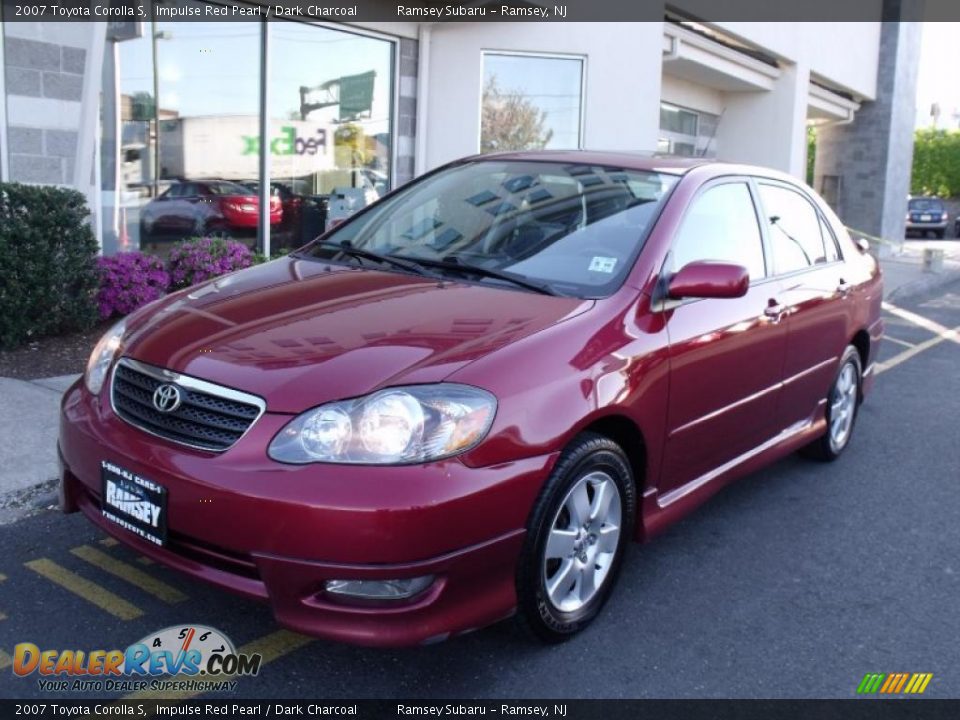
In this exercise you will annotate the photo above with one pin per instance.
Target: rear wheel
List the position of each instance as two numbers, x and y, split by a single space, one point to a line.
843 401
940 234
576 537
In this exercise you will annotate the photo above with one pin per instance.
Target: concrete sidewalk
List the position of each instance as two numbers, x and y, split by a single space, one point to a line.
29 410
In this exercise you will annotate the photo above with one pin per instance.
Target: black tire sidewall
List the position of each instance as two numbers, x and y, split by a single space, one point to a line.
586 455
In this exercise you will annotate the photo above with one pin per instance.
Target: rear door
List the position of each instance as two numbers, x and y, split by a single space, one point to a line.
726 355
806 259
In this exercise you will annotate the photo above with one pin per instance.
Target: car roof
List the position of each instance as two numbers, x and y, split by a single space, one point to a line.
625 160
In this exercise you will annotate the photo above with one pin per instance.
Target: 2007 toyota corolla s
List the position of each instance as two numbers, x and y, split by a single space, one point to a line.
466 401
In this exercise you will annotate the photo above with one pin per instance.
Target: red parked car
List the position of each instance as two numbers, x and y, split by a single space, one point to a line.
463 403
205 207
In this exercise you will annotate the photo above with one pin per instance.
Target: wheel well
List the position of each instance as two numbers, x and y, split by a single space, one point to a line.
627 435
861 341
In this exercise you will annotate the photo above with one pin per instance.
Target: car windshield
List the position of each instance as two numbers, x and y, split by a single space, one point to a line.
926 205
573 228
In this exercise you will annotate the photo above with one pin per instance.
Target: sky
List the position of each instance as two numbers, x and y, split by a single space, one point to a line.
937 80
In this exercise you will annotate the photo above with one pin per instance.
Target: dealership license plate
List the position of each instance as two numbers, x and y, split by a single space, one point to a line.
926 218
134 503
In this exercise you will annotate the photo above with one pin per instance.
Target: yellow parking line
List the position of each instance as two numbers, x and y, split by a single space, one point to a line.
129 573
89 591
953 334
920 321
143 560
5 660
108 542
271 647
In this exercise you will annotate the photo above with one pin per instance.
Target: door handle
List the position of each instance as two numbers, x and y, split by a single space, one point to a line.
774 311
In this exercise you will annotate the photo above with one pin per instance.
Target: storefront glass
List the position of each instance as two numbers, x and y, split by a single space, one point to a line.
188 163
330 109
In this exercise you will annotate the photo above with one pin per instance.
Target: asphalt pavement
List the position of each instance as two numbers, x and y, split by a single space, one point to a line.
792 583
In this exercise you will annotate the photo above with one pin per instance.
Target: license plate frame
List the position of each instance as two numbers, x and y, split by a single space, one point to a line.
133 502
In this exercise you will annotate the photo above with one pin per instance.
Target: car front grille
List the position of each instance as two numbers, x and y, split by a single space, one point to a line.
208 416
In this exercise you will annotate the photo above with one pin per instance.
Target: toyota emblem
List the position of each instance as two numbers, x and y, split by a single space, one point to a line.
166 398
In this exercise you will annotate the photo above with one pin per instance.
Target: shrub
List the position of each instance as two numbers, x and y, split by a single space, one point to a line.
199 259
128 281
936 163
48 272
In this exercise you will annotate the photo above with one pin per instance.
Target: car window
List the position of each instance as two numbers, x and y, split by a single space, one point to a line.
576 227
830 240
189 190
925 205
174 191
721 225
793 226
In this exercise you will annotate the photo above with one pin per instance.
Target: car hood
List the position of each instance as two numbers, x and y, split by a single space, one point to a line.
299 333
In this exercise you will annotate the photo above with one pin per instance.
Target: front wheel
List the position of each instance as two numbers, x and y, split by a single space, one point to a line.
843 401
576 537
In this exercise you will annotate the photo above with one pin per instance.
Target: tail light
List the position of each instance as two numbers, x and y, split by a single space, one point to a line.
944 217
274 203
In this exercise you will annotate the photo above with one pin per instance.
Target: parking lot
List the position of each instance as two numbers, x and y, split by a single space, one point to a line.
795 582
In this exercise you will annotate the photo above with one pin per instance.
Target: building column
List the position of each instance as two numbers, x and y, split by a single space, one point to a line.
768 128
863 169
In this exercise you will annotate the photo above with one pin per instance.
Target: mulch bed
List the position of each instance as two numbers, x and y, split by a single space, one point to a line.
51 356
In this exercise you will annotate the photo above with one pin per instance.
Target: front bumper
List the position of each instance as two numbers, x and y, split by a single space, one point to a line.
276 532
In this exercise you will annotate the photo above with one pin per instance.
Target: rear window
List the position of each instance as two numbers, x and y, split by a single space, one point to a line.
227 188
926 205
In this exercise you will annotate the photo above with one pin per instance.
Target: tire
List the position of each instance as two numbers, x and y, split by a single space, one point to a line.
844 397
939 234
559 596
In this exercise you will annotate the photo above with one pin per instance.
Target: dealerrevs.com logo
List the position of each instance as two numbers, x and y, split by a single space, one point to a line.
178 658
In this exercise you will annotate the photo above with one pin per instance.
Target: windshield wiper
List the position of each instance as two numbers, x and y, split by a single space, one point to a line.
351 250
456 265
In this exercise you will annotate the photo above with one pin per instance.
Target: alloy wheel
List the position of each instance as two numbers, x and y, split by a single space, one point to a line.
583 541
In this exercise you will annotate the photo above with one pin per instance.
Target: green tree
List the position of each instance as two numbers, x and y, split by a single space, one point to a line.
510 121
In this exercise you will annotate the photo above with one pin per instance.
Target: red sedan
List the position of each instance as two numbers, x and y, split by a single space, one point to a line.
463 403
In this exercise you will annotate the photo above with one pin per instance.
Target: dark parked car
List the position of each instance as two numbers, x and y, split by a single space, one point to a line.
466 400
205 207
926 215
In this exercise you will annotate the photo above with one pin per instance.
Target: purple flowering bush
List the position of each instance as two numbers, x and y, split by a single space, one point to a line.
199 259
129 280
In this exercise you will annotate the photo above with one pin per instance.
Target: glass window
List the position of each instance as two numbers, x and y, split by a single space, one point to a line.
577 228
530 102
330 109
181 102
721 225
830 240
794 229
677 120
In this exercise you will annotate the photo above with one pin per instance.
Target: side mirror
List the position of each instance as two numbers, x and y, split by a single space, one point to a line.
704 279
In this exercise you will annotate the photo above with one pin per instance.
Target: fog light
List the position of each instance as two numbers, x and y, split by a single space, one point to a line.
379 589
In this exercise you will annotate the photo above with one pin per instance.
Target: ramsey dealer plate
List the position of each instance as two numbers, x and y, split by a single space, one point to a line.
134 503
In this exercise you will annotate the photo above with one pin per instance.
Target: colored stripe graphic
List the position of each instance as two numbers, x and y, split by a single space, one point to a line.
894 683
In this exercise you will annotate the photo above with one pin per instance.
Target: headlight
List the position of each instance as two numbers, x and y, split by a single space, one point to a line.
102 357
399 425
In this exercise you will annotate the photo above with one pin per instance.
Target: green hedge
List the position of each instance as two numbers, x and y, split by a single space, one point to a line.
48 275
936 163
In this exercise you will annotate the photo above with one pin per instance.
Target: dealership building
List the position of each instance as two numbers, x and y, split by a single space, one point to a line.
335 114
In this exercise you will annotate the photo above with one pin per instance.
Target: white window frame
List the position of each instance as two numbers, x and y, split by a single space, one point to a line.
545 55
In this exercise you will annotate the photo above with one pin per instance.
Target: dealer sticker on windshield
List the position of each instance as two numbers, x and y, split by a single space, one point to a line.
134 503
602 264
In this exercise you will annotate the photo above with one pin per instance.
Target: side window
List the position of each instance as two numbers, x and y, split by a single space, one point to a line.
721 224
188 190
794 229
175 191
830 240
